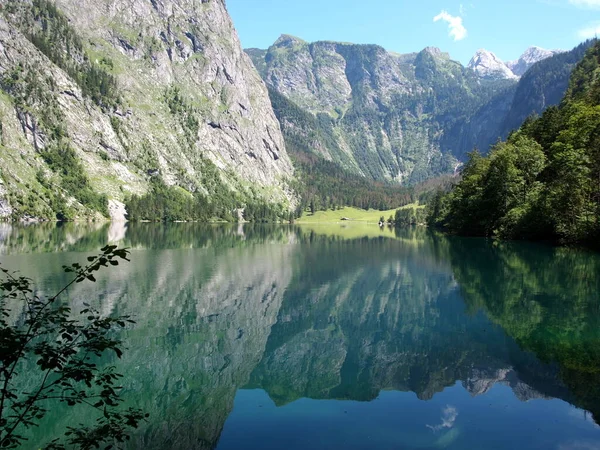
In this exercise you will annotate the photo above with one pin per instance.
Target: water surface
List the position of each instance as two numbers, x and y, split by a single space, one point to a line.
289 337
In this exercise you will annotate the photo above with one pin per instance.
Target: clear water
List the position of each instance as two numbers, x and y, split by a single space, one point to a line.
287 337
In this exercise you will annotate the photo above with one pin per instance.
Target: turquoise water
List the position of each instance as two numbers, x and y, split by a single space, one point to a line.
280 337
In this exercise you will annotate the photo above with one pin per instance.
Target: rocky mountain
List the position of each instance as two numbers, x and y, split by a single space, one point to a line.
402 118
542 86
133 96
95 106
488 66
531 56
375 113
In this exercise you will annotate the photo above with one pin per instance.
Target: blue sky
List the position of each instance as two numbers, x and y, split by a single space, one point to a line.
505 27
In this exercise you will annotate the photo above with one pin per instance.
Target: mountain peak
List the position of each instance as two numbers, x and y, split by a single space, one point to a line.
537 53
436 52
531 56
487 65
433 50
287 40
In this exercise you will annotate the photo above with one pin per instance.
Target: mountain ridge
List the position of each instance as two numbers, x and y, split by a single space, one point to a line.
397 117
137 99
530 57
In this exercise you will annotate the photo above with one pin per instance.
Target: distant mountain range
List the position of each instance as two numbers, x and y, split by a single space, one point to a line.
487 65
403 118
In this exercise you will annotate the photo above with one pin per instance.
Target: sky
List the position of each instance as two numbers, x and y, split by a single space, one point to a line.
505 27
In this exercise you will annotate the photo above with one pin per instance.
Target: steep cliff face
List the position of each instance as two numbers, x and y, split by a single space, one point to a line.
322 76
487 65
139 89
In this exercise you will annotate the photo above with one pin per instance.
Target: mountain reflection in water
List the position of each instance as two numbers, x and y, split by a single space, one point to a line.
263 337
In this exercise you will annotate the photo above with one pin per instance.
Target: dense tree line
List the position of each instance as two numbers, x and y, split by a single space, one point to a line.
410 216
165 203
324 185
544 181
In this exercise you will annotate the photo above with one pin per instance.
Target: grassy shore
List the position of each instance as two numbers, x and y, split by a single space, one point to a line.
352 214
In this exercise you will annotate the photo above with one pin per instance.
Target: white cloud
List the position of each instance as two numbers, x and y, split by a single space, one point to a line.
457 30
590 31
591 4
449 415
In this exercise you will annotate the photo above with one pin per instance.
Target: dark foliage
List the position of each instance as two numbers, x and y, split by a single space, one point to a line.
47 356
171 203
410 216
324 185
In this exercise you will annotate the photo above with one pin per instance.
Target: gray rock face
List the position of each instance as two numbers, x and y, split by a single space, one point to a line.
313 76
488 66
5 208
386 116
481 381
323 76
380 110
198 48
151 47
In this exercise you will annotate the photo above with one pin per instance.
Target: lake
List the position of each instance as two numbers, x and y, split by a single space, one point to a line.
349 337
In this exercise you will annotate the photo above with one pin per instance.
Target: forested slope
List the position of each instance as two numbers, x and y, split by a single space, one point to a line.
544 181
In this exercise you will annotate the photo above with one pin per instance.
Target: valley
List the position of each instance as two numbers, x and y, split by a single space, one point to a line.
148 114
353 225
